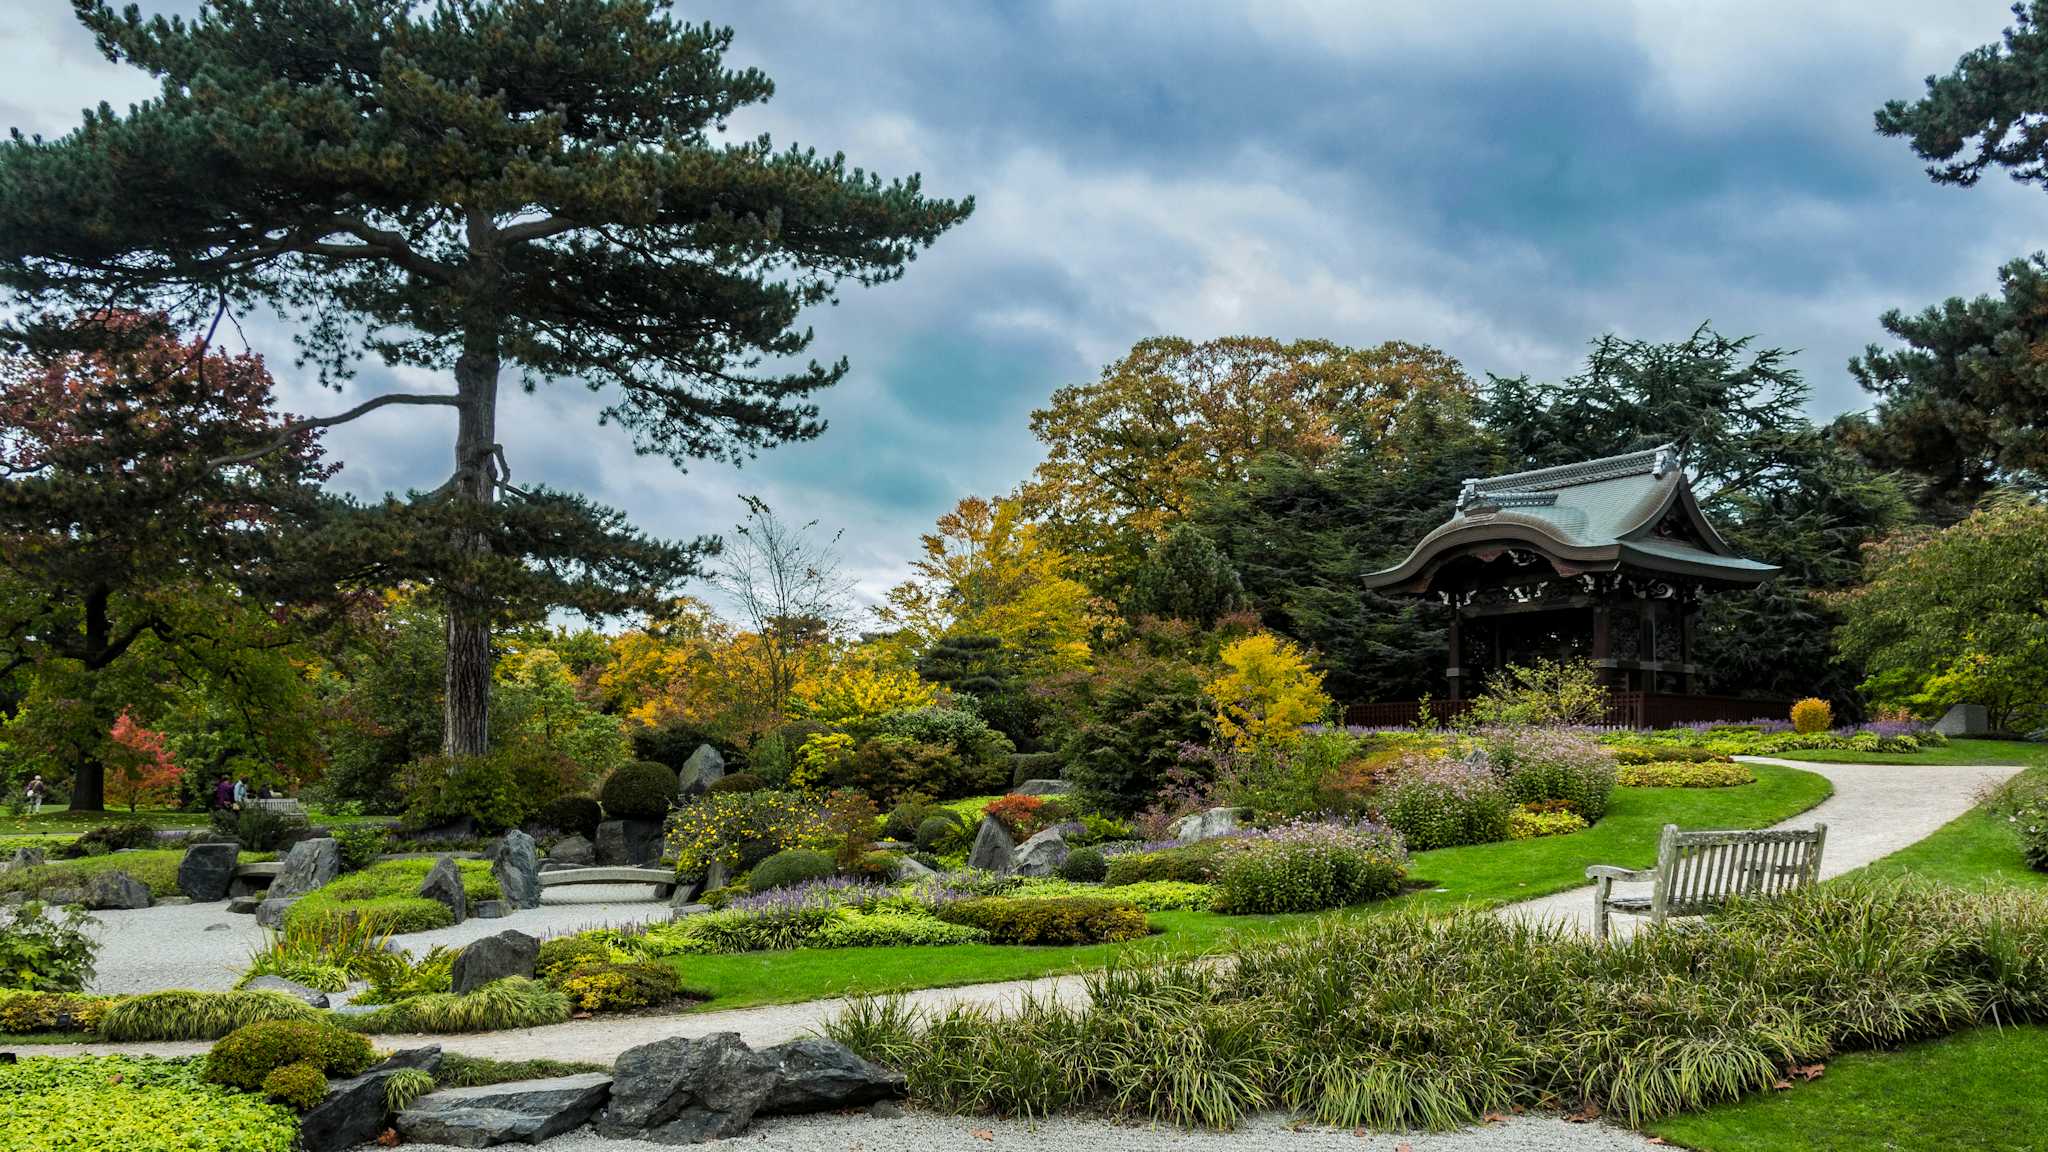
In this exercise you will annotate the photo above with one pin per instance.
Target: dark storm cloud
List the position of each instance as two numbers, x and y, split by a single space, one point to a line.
1504 180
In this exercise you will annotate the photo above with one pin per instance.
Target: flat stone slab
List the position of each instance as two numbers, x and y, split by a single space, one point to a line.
268 868
521 1111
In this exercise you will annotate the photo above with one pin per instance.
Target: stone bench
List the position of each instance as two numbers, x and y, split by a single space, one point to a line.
664 881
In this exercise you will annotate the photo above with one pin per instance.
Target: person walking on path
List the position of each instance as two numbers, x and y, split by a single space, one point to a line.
241 792
223 793
34 793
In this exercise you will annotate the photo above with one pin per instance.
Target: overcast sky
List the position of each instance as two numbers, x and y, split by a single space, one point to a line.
1505 181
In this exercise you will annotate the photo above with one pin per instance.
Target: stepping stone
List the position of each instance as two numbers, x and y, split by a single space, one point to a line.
521 1111
245 905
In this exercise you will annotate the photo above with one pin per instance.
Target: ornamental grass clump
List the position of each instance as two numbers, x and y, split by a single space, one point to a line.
1552 764
186 1015
1430 1021
513 1002
1438 802
1309 866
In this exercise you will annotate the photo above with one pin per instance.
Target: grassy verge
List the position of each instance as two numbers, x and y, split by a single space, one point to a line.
64 823
1955 752
155 867
1484 874
1985 1090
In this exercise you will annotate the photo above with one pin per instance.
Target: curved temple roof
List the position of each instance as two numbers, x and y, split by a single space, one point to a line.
1634 511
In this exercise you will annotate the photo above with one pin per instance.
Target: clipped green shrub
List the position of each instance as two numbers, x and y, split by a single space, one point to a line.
1684 774
514 1002
940 832
249 1054
299 1085
133 1104
360 845
1190 864
112 838
642 790
790 866
498 789
1085 865
607 985
257 829
181 1014
737 782
1061 920
570 814
1308 867
382 899
1626 754
888 929
903 819
1035 766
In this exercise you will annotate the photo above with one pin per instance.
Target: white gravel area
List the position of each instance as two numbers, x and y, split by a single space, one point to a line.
1273 1132
205 946
1876 810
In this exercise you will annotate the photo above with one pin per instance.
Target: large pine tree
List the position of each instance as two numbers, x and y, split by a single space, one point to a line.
464 186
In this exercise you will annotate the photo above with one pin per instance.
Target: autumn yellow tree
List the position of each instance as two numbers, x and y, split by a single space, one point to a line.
1265 691
986 571
1126 455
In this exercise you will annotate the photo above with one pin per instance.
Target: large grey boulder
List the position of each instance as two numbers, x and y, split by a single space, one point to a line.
23 858
704 766
628 842
1207 825
353 1111
116 890
1043 788
1041 855
1964 720
444 886
520 1111
904 870
309 865
509 953
270 911
516 864
576 851
207 870
686 1091
814 1074
312 997
994 850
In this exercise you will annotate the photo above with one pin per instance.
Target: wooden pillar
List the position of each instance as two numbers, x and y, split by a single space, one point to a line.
1603 644
1452 671
1688 607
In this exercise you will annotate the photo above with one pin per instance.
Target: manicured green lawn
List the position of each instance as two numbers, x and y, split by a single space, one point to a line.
1485 873
64 824
1954 752
1985 1090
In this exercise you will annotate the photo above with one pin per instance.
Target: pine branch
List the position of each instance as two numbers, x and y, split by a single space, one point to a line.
292 430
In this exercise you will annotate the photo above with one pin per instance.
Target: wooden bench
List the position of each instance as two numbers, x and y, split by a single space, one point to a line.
267 869
664 881
1698 872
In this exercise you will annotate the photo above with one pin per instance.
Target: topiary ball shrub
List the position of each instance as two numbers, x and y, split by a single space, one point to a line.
249 1054
578 814
792 866
1085 866
642 790
939 832
1060 920
299 1085
1812 715
737 782
904 819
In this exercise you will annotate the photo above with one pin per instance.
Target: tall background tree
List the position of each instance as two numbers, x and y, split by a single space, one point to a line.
461 187
784 581
119 536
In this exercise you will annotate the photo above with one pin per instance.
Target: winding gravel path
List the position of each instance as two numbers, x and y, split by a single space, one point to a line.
1876 810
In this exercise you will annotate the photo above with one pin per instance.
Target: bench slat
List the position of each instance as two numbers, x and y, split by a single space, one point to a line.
1698 872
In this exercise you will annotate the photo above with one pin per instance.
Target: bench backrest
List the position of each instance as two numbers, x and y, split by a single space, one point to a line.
1700 871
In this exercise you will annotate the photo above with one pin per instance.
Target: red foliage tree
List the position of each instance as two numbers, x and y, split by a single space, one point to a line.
139 765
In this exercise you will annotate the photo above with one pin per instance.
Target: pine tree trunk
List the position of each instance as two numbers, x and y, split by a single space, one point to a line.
465 716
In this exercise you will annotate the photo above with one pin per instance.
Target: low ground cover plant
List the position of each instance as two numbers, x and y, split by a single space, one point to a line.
1438 1021
155 868
127 1104
1775 737
1058 920
1684 774
1533 820
1146 895
384 899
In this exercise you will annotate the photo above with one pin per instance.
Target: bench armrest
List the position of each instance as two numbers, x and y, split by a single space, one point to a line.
1610 872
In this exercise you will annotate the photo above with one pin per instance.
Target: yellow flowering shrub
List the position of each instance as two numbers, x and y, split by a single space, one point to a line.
729 826
818 757
855 690
1266 691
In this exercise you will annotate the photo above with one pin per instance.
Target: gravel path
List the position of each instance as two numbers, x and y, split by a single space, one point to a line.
1876 810
927 1132
205 946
